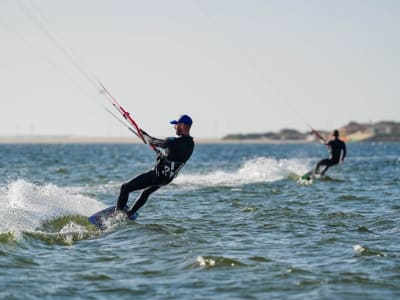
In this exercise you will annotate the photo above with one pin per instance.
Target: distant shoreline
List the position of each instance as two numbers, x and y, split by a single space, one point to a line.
383 131
132 140
126 140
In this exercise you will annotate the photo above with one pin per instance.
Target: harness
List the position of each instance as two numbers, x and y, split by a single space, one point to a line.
167 168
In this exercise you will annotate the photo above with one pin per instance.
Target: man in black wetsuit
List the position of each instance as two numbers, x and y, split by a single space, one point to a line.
338 153
172 155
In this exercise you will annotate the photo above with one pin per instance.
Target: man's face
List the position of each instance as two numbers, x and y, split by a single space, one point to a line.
179 129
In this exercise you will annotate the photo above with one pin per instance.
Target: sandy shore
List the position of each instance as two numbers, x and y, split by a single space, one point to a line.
119 140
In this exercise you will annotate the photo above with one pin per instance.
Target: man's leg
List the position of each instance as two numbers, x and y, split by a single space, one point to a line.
319 164
329 164
324 170
138 183
141 200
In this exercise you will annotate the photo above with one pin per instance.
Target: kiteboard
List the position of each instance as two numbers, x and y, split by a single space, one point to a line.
101 219
307 178
310 176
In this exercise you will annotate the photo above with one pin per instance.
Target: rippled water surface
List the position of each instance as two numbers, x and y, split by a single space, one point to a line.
234 224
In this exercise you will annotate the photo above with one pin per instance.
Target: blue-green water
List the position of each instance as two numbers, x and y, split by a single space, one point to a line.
234 224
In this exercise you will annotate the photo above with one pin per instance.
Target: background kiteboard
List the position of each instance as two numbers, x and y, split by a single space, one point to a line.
307 178
100 218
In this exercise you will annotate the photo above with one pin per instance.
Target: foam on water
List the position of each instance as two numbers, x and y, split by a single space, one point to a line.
24 206
210 262
261 169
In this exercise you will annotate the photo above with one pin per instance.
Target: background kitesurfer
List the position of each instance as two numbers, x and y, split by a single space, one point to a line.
338 153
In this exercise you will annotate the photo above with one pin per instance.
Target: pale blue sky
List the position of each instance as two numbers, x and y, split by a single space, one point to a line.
234 66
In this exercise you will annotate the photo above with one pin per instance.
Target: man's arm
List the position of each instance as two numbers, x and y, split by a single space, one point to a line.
321 139
153 141
344 151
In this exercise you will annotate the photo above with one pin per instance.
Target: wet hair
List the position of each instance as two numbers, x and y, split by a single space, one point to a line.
336 133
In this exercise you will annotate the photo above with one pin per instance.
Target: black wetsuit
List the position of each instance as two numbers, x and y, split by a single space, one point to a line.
170 160
337 147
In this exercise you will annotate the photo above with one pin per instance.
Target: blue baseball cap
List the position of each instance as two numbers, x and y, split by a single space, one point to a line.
185 119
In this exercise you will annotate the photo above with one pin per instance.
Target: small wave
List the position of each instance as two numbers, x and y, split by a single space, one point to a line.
364 251
343 215
25 206
364 229
260 259
64 230
219 261
261 169
7 238
348 197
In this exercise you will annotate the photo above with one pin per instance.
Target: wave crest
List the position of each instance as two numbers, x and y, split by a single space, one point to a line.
25 206
261 169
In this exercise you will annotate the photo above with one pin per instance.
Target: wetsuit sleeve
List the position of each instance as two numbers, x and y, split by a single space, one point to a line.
344 150
153 141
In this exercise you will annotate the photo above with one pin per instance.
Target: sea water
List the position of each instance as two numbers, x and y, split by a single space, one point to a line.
234 224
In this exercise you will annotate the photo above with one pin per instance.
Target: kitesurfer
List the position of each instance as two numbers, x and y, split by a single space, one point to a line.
338 153
172 155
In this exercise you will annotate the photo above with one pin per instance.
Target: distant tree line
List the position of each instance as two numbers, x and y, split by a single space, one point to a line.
380 131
